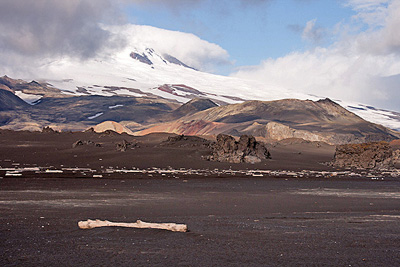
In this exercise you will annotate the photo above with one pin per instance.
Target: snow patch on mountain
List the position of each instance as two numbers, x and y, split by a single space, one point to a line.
95 116
116 106
126 92
387 118
31 99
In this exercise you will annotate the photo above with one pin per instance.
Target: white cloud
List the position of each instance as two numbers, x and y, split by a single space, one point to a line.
386 39
364 67
312 32
187 47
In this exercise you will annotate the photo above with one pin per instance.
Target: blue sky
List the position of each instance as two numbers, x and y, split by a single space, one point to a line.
250 33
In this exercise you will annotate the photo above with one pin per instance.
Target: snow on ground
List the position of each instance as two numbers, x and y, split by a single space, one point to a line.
126 92
95 116
116 106
387 118
31 99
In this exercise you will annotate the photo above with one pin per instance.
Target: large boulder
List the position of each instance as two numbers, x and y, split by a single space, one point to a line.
374 155
247 150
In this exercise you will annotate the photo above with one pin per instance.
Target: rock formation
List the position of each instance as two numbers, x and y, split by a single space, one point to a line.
82 143
124 145
396 158
247 150
374 155
186 141
48 129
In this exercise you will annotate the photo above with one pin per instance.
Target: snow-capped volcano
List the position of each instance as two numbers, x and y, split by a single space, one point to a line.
147 70
137 69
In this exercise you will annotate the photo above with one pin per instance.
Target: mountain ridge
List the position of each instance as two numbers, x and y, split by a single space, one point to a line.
322 120
121 74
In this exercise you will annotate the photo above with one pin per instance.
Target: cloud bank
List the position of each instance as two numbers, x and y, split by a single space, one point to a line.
48 27
73 27
362 67
187 47
33 32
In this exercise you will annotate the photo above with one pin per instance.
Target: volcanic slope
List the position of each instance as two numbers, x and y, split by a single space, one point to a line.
9 101
74 112
138 70
322 120
78 112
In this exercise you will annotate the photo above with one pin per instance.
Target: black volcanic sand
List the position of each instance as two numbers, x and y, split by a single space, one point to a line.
54 150
232 222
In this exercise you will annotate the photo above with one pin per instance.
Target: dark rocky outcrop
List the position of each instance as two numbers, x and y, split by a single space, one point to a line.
48 129
247 150
186 141
125 145
176 61
142 58
109 133
77 143
373 155
82 143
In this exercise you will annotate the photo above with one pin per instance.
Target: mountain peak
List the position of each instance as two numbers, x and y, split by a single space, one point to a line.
174 60
150 57
193 106
141 57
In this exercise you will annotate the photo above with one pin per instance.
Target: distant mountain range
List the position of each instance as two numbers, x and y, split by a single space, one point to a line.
322 120
138 71
146 92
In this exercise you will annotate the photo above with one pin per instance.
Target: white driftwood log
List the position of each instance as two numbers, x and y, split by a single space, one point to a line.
89 224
